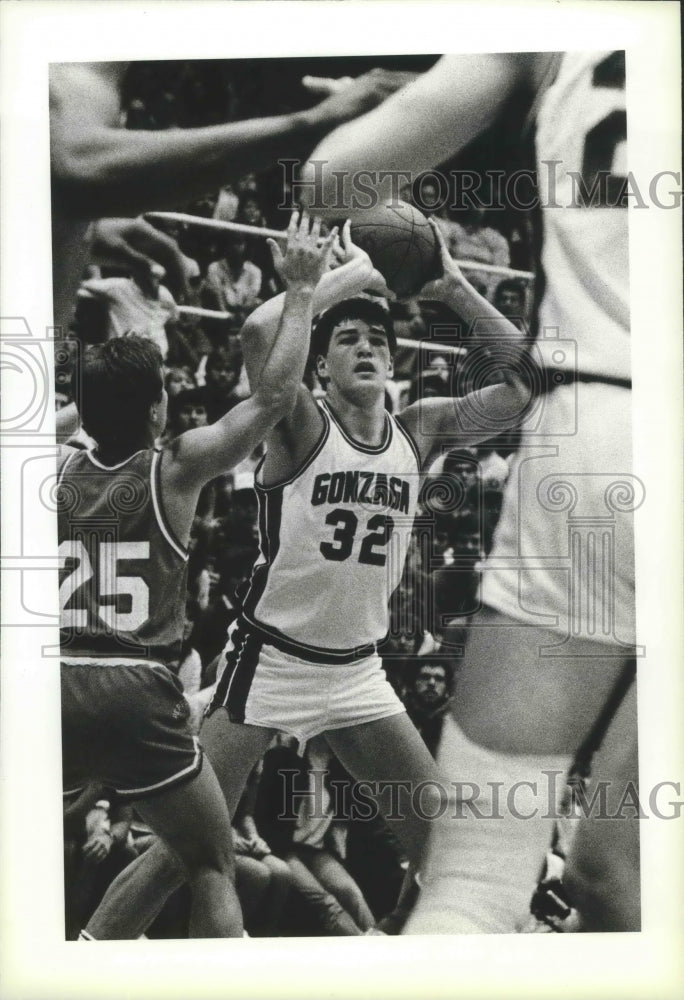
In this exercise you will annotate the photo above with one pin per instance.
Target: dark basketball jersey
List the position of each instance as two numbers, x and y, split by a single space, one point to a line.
122 573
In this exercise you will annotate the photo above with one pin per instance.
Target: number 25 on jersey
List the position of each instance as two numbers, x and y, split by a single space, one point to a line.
115 589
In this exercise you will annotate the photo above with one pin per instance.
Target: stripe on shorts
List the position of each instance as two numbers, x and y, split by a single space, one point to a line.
234 685
270 517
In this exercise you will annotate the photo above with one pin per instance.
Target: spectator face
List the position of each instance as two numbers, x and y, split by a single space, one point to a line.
510 302
466 472
191 416
400 644
430 684
178 379
235 252
247 182
439 366
222 375
250 212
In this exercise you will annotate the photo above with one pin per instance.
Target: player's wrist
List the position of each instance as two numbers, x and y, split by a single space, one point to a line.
455 291
360 265
323 117
301 289
316 122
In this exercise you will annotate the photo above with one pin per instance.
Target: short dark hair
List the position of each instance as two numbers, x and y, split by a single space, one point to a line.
366 309
115 385
434 660
510 285
225 356
198 395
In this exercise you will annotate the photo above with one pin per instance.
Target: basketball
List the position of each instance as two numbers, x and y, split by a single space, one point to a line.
400 242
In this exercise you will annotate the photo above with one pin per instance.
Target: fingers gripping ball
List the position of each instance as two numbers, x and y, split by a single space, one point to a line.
401 244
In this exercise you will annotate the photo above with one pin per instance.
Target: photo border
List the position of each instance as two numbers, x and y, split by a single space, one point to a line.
36 962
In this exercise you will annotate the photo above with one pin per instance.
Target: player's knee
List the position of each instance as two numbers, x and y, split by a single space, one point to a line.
215 855
253 878
281 873
350 897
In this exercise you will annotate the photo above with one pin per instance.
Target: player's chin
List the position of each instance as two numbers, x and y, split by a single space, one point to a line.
367 390
370 382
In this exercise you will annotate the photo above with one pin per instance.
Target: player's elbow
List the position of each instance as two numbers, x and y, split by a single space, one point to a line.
277 401
83 181
78 190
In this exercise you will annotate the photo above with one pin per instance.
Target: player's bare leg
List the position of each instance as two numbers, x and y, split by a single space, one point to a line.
194 821
480 873
391 751
137 895
602 870
233 749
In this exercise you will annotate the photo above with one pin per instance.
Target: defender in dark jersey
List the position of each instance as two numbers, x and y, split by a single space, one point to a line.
125 512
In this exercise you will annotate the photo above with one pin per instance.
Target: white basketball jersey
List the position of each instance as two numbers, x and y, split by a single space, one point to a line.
581 151
333 541
569 567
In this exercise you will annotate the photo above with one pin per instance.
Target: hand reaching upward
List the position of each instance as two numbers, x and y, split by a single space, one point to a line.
307 257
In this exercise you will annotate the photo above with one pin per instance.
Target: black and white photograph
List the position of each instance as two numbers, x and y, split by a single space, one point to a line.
341 435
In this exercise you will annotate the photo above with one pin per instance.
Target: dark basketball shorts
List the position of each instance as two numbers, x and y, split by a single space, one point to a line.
125 724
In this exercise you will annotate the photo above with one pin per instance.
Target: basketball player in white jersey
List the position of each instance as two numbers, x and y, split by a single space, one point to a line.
555 635
125 515
337 495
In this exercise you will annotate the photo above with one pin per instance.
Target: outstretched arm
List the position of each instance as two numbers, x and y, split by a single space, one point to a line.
100 169
418 128
481 317
483 413
204 453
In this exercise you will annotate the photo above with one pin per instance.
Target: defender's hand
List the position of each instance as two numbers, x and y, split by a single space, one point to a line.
345 250
352 97
452 278
307 257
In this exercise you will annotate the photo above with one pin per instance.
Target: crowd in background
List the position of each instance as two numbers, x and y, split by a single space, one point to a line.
300 870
